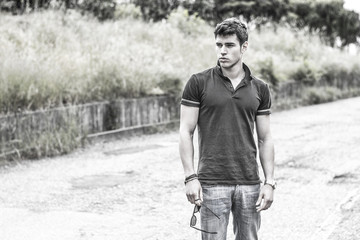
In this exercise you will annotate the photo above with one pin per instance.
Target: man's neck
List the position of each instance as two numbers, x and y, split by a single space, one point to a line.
236 72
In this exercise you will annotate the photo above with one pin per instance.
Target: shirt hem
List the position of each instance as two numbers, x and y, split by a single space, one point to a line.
229 182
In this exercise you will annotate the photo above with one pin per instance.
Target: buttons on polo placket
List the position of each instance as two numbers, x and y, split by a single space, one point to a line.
241 85
233 95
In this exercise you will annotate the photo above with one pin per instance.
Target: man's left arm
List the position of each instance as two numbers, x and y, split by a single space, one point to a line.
266 153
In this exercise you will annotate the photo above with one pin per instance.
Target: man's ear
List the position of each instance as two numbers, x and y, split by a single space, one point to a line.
244 46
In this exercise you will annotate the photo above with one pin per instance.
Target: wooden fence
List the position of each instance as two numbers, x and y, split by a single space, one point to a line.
90 119
294 94
96 119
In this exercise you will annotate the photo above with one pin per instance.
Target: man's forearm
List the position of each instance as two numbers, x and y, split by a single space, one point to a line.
186 149
266 154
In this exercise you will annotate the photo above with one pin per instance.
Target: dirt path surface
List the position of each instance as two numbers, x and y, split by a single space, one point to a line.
133 189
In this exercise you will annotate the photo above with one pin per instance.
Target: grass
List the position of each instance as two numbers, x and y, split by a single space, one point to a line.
52 58
47 143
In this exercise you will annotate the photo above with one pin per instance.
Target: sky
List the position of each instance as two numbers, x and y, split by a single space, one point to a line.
352 5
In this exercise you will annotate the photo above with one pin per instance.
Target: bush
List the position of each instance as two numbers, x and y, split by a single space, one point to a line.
355 74
333 73
321 95
267 71
127 10
156 10
102 9
188 24
171 84
68 58
304 74
53 58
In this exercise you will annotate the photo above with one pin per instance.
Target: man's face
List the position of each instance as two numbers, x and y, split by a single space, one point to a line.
228 50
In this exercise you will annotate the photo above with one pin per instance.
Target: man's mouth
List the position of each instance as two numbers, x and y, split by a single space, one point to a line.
223 59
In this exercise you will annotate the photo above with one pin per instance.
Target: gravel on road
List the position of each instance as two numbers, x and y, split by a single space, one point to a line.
132 189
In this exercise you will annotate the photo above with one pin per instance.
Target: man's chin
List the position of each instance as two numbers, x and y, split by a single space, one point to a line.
225 65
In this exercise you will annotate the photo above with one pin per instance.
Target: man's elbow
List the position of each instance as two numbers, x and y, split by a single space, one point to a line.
265 139
185 131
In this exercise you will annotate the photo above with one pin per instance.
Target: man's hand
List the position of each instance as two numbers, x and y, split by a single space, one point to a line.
266 197
194 192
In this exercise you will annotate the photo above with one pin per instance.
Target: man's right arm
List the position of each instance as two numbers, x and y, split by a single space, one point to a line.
188 121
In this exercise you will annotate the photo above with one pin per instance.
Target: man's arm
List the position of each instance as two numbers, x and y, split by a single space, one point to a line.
188 121
266 153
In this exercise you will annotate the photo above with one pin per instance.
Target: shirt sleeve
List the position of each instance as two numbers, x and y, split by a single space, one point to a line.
265 101
191 93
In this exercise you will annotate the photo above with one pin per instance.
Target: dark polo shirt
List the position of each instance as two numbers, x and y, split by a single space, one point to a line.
226 125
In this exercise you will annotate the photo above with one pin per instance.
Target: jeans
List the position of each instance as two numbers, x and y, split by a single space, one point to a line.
241 201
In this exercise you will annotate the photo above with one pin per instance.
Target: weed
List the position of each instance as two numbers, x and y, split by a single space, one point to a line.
55 58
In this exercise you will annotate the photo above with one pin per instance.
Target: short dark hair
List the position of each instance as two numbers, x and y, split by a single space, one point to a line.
232 26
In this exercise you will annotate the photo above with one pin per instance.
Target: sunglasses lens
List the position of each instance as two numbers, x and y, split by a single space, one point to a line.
193 221
197 208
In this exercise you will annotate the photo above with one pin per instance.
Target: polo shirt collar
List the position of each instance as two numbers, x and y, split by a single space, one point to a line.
248 75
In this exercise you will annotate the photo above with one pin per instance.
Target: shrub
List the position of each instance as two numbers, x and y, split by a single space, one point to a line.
128 10
267 71
316 95
355 74
156 10
53 58
334 72
188 24
170 84
304 74
102 9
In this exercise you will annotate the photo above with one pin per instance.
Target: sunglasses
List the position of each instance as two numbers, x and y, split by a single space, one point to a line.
194 219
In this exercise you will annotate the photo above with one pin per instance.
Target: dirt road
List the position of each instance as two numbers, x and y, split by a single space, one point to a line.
133 189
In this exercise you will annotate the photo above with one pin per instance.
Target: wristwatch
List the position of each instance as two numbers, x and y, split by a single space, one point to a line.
271 183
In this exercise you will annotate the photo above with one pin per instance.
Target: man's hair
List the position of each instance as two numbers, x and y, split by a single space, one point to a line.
232 26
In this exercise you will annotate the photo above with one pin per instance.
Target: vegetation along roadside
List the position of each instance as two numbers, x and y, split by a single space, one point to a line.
57 54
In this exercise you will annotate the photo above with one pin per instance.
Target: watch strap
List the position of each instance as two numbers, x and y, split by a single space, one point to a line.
272 184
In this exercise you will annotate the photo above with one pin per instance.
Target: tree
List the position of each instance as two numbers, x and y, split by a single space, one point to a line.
156 10
329 19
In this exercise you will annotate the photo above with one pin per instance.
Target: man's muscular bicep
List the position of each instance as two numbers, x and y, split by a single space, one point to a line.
188 118
263 126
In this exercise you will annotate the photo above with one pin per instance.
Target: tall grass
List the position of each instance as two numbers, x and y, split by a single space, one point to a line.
294 54
48 142
53 58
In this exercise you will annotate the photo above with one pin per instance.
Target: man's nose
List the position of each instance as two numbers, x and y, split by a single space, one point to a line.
223 50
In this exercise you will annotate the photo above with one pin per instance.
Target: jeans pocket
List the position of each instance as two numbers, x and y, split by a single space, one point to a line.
250 197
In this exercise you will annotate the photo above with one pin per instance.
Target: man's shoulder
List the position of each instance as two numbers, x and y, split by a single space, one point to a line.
254 79
259 82
205 74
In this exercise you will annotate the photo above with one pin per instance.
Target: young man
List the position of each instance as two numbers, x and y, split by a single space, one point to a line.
225 102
